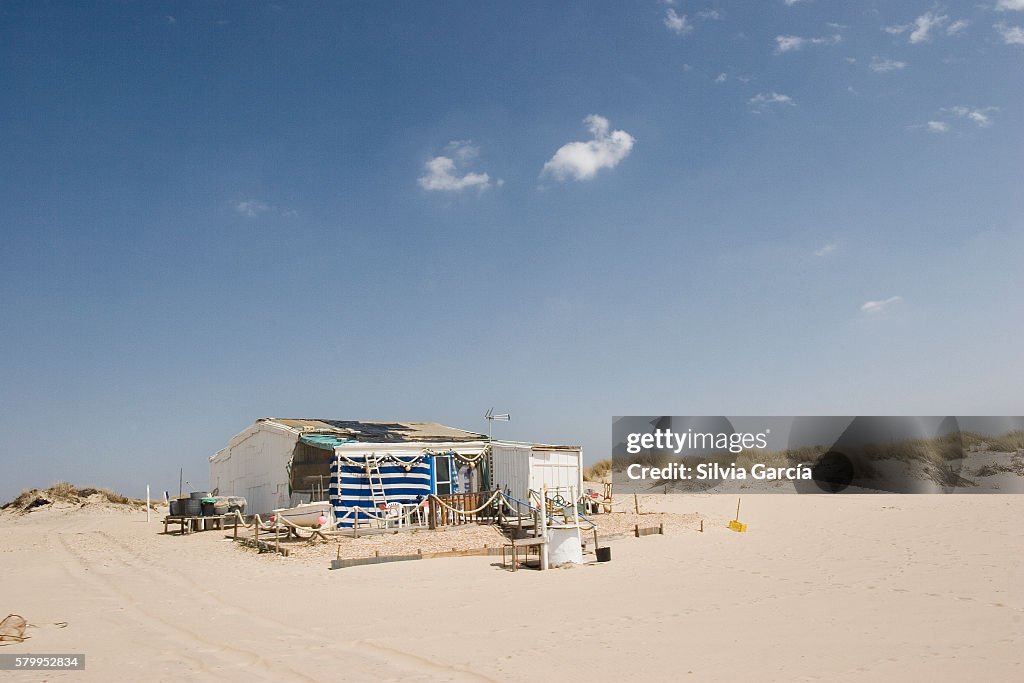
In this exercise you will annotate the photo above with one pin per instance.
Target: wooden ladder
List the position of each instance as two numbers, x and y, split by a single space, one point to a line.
377 493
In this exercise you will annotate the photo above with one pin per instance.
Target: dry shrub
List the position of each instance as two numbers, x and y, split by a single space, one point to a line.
62 490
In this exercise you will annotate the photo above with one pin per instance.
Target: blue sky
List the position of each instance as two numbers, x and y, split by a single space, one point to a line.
214 212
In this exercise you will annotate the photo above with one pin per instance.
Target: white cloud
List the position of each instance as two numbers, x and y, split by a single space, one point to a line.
957 26
788 43
790 3
881 65
583 159
442 173
677 23
1010 5
251 208
794 43
712 14
978 116
763 101
921 28
879 306
938 126
1012 35
829 248
721 78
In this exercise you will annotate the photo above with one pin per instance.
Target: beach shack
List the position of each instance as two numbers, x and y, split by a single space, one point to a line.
279 463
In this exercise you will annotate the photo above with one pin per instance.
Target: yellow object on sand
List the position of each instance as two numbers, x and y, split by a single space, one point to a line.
736 524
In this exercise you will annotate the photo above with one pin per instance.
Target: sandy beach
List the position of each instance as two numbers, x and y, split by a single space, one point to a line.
819 588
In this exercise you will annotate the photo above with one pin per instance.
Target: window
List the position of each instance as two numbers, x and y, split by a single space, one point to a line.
443 474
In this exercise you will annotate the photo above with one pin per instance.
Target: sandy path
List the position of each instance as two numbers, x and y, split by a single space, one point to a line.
840 588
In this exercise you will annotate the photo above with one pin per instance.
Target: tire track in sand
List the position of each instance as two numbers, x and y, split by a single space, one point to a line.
253 664
402 665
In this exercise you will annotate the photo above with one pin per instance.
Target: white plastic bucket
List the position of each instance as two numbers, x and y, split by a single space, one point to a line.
564 545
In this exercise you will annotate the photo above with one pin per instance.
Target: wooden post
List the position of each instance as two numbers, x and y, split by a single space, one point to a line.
738 509
636 530
256 526
702 526
431 512
339 551
277 539
636 504
661 528
147 503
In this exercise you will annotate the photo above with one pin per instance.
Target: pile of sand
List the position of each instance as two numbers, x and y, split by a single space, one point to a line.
63 495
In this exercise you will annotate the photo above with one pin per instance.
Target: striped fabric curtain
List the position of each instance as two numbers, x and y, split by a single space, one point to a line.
350 486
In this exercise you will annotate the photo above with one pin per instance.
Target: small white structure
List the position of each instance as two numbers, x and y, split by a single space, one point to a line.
519 467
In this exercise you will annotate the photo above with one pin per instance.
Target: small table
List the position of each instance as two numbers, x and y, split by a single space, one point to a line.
515 545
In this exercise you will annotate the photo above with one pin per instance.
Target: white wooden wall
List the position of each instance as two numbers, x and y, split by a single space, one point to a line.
254 465
556 469
520 468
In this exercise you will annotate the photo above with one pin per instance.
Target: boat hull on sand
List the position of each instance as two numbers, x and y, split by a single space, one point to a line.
306 514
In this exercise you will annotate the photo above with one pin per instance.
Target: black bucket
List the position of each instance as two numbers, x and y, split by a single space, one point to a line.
207 509
604 554
174 511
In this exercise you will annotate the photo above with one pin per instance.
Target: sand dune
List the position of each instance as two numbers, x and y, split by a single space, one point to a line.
821 588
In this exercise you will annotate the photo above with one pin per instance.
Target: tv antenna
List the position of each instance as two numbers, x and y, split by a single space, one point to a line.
491 417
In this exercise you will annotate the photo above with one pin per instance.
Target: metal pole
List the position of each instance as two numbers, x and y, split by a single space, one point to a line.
575 514
544 527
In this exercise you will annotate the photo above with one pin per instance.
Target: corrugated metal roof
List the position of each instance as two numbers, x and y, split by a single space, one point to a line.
380 432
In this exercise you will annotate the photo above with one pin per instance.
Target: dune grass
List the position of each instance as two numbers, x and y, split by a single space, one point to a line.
598 471
1007 443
